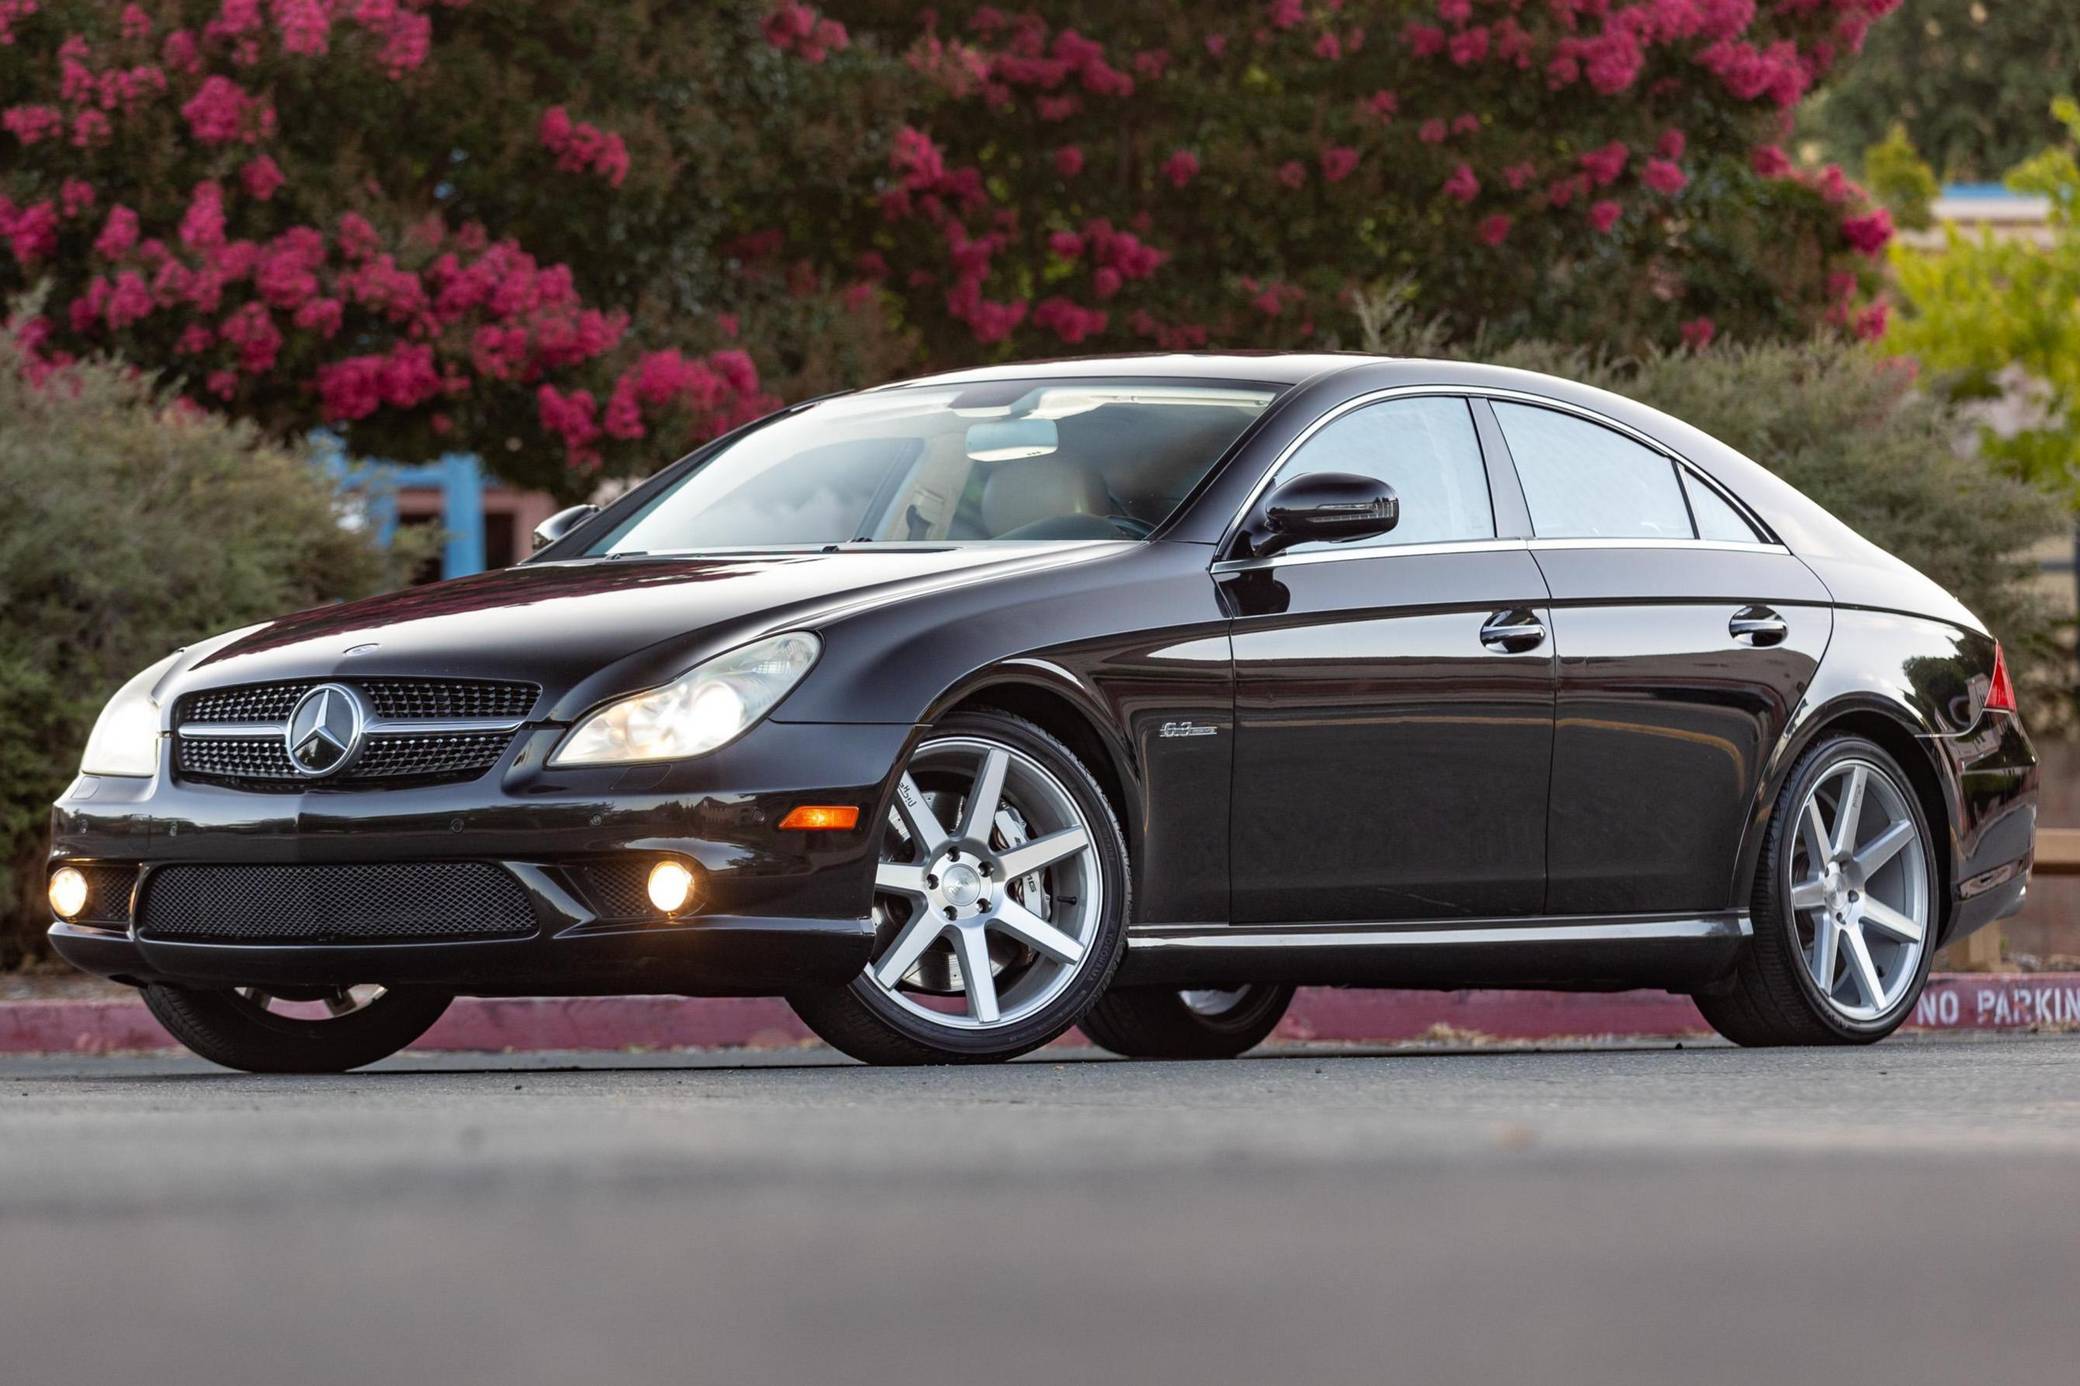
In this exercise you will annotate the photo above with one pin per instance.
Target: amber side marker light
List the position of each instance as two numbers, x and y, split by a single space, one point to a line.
822 817
68 892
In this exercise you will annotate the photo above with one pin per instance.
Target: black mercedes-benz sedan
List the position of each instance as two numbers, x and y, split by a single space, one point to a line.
1127 693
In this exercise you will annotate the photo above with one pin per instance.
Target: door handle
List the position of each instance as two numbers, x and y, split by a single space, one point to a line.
1513 632
1758 625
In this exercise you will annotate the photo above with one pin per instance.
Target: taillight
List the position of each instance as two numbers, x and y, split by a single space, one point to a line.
2000 694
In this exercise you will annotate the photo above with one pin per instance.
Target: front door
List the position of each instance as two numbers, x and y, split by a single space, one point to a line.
1393 699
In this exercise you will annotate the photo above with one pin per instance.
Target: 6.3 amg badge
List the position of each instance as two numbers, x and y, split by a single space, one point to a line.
326 730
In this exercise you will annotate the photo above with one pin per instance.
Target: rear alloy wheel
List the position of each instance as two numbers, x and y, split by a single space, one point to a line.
1845 907
1149 1023
308 1030
1000 902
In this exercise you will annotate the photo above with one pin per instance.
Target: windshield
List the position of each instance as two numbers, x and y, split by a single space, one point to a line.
1002 461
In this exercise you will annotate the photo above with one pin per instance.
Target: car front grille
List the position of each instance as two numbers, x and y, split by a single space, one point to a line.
323 904
420 731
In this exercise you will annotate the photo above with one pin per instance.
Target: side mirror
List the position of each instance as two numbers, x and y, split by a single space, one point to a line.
562 523
1333 507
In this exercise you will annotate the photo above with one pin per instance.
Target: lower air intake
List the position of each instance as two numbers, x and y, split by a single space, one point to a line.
334 904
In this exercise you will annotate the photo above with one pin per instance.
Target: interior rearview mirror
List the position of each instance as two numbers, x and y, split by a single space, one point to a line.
1005 440
562 523
1335 507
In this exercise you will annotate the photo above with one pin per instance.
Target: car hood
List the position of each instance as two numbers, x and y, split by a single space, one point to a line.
624 622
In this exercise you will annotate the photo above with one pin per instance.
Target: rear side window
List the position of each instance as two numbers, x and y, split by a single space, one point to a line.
1715 518
1585 481
1426 449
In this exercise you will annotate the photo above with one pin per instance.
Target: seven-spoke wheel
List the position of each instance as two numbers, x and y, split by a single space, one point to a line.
1844 909
999 902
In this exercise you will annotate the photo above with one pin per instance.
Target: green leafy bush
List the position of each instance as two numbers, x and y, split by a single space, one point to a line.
1853 430
128 526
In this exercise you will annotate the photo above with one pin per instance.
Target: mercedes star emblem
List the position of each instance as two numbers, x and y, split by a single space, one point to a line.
325 730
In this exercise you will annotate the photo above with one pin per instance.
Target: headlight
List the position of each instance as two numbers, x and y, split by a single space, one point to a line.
125 740
706 707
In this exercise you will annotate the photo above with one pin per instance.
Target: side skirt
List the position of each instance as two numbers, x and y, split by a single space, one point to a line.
1678 952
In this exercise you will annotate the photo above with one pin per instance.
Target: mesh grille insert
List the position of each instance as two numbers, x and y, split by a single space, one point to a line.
312 904
620 890
108 893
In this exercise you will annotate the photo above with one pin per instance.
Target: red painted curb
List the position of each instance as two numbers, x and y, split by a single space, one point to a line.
1953 1001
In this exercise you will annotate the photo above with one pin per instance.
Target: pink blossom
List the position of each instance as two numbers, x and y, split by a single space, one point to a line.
1868 234
202 225
89 129
1870 324
195 339
1338 163
1455 12
1770 161
220 111
1068 161
1469 47
1494 230
29 124
1604 165
1070 321
1285 14
221 383
135 23
1432 131
1462 186
250 328
1424 40
305 26
76 196
1292 173
1383 104
261 177
1604 215
1328 48
179 52
1066 244
319 315
357 239
1181 167
1106 282
129 301
1671 146
1698 333
1519 176
1664 177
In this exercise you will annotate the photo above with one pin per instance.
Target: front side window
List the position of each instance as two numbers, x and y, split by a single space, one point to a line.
1000 461
1584 481
1426 449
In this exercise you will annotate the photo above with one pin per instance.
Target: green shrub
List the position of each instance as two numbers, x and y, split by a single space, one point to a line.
1850 428
127 527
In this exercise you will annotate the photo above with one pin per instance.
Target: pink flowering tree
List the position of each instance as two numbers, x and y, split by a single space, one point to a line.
573 235
364 214
1175 175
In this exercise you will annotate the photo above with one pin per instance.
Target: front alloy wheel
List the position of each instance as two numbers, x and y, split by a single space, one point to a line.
1000 900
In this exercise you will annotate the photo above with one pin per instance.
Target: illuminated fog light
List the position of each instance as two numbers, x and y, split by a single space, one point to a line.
671 886
69 892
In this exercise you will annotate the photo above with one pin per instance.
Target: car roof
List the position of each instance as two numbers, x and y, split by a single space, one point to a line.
1269 367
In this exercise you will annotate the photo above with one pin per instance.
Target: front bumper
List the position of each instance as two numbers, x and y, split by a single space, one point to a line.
778 910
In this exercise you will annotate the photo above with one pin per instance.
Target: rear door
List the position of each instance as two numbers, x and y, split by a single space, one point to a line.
1393 698
1685 639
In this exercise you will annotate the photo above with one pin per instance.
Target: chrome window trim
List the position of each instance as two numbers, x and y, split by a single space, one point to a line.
1490 392
1245 565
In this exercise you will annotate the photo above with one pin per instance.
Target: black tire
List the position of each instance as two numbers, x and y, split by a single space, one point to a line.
1773 999
861 1020
226 1028
1153 1023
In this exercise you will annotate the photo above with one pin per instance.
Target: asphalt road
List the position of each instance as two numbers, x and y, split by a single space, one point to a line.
1904 1214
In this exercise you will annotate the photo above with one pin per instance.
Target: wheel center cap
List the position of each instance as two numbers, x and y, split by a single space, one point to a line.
960 883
